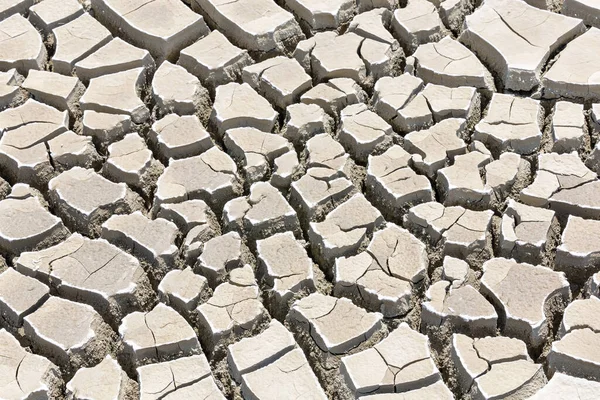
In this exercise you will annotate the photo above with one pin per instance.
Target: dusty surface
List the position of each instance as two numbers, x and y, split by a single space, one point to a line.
299 199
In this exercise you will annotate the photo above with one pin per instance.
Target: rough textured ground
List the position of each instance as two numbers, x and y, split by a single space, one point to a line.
299 199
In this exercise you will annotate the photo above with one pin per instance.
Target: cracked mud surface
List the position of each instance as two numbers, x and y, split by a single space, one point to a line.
299 199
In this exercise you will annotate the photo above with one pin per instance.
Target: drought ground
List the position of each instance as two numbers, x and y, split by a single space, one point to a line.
299 199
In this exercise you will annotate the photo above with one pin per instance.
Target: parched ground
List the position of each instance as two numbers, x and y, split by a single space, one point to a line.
299 199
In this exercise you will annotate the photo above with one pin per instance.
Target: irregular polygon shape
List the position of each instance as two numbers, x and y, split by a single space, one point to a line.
433 146
260 26
238 106
374 25
511 124
76 40
394 101
318 191
158 334
150 239
450 63
344 229
176 136
463 184
516 39
518 378
402 254
286 268
10 92
214 60
581 200
579 254
319 16
462 309
105 128
84 344
527 233
255 150
116 56
84 199
221 254
325 152
90 271
334 95
336 56
211 176
25 131
507 175
104 381
445 102
26 375
289 375
417 23
193 243
575 73
183 290
164 27
380 58
393 185
335 325
196 221
117 93
19 295
563 386
251 354
384 276
363 132
556 173
130 161
177 91
233 309
577 354
392 94
69 150
186 377
280 80
473 358
303 121
496 349
455 271
464 234
286 168
260 215
569 128
54 13
399 363
188 215
21 45
416 115
59 91
523 292
581 313
25 224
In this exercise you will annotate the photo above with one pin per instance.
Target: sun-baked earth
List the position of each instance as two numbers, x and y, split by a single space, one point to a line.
299 199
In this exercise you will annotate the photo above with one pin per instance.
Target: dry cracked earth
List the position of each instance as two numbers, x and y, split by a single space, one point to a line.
299 199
